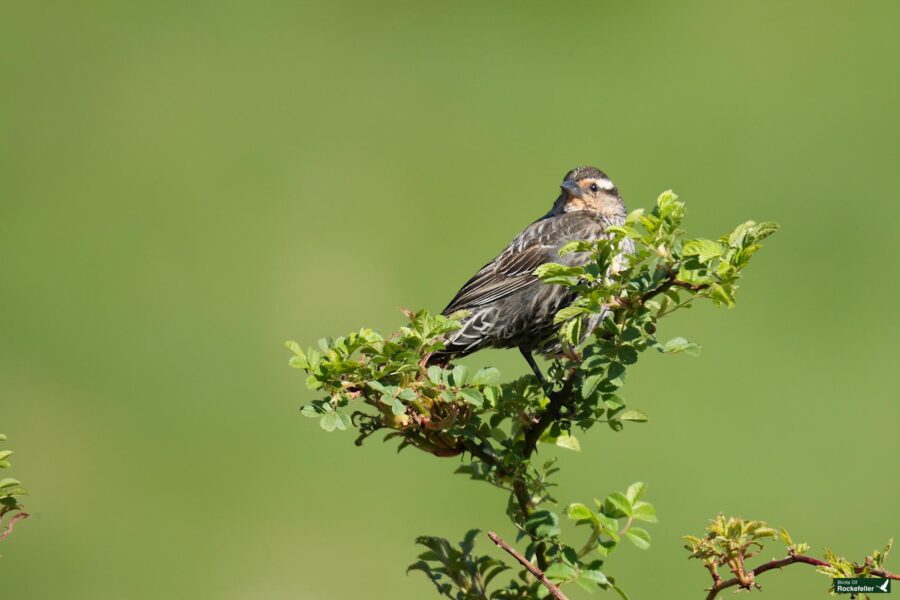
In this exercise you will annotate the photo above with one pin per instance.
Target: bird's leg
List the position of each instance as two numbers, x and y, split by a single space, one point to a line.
548 389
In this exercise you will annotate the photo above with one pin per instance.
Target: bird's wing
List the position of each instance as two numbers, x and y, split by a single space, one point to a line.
510 272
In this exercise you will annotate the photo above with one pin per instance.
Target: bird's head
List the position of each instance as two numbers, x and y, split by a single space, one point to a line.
588 188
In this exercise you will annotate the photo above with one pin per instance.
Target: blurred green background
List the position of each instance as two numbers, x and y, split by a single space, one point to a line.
184 185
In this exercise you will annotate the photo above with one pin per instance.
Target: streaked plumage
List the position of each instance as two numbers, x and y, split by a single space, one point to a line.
511 308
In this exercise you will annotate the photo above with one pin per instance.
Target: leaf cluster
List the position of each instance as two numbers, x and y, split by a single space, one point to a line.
11 491
730 542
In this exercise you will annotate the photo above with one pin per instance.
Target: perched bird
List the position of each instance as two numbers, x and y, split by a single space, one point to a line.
508 307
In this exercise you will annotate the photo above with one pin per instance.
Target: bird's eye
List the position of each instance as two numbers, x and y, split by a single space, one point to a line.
595 187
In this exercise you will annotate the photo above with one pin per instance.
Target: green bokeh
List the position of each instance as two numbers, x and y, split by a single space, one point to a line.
184 185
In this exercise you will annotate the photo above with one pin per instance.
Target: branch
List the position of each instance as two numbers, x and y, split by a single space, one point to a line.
719 584
554 590
11 524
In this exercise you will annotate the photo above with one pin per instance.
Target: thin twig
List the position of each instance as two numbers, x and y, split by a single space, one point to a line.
554 591
719 584
11 524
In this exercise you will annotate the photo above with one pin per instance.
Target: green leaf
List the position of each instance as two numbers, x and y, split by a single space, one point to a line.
704 250
722 294
486 376
786 537
579 512
638 537
576 246
10 482
543 523
329 422
633 415
593 575
436 374
568 441
609 525
561 572
407 394
397 407
472 396
343 422
679 344
559 274
644 511
616 374
617 505
309 410
567 313
460 374
635 491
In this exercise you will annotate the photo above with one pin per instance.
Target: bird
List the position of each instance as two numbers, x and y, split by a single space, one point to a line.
506 305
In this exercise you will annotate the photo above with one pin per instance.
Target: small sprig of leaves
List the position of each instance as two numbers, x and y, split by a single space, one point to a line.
644 271
11 511
731 542
459 574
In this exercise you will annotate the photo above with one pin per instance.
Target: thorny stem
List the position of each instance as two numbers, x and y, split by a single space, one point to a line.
12 521
749 578
538 573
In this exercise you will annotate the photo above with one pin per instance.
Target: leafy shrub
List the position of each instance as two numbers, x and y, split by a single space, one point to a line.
376 383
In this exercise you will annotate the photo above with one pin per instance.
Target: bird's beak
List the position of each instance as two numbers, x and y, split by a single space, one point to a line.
571 189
